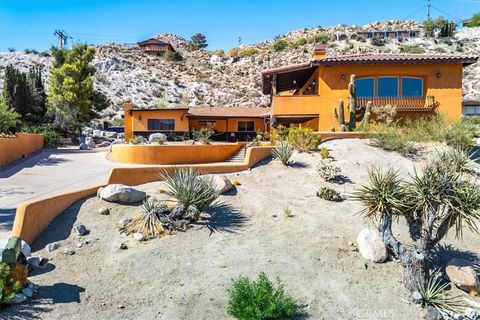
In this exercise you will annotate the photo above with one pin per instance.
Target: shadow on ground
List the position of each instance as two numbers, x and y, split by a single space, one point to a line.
442 254
60 228
6 219
224 218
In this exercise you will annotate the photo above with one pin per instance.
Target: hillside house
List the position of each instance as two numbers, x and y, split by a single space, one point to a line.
155 47
306 93
229 124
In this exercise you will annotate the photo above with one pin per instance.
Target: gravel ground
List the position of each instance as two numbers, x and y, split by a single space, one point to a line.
187 275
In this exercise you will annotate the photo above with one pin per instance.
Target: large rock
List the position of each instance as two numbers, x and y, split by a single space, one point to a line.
89 142
96 133
155 137
120 193
222 183
371 245
462 273
111 134
121 135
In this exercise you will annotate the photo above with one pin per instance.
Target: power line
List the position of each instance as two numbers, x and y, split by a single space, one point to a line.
62 37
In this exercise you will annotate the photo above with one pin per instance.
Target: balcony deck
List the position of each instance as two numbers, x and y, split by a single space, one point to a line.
402 104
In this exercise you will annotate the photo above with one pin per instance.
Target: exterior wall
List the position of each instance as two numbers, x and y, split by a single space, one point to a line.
33 217
173 154
127 119
228 125
140 119
447 89
24 144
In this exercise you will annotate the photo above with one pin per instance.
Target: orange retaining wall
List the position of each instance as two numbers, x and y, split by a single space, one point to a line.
34 216
173 153
327 135
24 144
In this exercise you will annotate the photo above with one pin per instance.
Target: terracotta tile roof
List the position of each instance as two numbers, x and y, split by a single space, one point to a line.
396 59
288 68
228 112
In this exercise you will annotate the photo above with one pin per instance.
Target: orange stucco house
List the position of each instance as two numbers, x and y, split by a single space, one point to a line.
229 124
306 93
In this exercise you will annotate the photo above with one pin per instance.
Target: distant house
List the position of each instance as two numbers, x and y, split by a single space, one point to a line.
155 47
229 124
399 34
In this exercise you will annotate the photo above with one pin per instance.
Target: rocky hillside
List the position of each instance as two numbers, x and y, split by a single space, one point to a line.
205 78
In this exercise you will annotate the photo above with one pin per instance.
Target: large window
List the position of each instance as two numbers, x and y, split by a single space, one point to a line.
246 126
387 87
161 124
365 87
412 87
207 123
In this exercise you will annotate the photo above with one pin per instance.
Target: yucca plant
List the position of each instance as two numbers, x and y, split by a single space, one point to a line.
460 159
259 300
433 294
149 222
283 152
195 192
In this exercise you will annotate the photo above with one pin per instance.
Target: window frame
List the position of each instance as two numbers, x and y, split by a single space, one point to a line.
398 86
156 119
374 84
205 123
412 77
246 127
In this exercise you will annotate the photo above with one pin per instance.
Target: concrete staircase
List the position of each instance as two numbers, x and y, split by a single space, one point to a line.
238 156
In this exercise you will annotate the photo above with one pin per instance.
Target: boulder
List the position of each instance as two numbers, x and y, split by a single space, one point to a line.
222 183
371 245
81 230
89 142
52 246
104 144
139 236
69 251
83 146
120 193
104 211
87 131
96 133
155 137
25 247
462 273
111 134
28 292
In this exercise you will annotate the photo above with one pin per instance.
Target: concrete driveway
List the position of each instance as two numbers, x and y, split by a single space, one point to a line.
49 172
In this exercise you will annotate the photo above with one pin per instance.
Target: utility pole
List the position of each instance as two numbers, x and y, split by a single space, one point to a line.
428 9
239 41
62 37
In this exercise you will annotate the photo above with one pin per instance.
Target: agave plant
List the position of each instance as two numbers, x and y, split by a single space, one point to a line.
283 152
148 223
193 191
433 294
459 159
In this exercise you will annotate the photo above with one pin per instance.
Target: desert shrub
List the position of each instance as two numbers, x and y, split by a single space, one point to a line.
300 42
149 222
8 285
283 152
191 190
329 194
327 170
173 56
474 21
321 37
324 153
460 160
458 135
218 52
8 117
203 135
280 133
287 211
234 52
379 42
135 140
11 49
52 137
118 122
411 48
473 124
391 138
248 52
280 45
303 139
258 300
384 114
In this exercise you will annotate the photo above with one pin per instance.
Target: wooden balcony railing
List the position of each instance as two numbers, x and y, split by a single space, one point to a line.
418 104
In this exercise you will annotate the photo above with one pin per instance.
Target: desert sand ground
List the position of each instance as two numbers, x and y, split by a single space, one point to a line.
187 275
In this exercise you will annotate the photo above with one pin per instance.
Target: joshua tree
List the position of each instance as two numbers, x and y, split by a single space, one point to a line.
432 203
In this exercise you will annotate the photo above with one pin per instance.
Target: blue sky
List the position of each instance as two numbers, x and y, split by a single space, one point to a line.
30 23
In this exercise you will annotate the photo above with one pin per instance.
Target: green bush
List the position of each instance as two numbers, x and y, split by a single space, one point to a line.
118 122
52 137
218 52
327 170
300 42
324 153
458 135
321 37
258 300
412 49
8 286
248 52
8 117
390 138
329 194
283 152
135 140
474 21
280 45
173 56
303 139
203 135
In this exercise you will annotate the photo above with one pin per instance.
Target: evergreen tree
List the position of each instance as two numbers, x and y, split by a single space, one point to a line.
71 98
199 41
8 117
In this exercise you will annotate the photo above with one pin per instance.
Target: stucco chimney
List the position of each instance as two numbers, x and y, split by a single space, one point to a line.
319 51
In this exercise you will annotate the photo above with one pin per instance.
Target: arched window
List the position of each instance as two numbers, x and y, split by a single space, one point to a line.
365 87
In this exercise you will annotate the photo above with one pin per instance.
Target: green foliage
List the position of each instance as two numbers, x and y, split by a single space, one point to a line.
379 42
458 135
391 138
321 37
199 41
70 91
412 48
303 139
248 52
259 300
324 153
52 137
25 93
327 170
173 56
135 140
433 294
474 20
118 122
203 135
280 45
196 193
8 286
445 27
300 42
283 152
473 124
8 117
329 194
218 52
384 114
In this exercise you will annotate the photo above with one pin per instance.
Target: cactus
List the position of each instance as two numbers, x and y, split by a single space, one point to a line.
352 103
339 114
366 115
